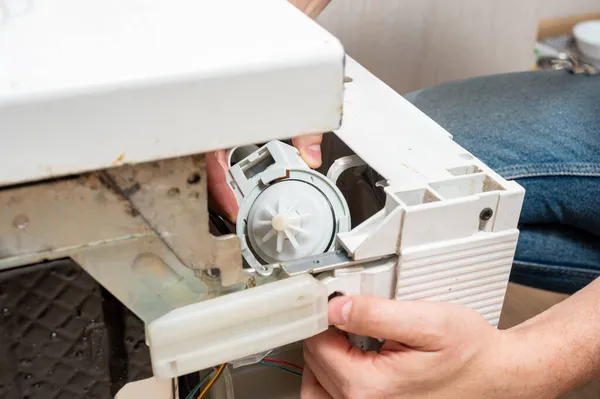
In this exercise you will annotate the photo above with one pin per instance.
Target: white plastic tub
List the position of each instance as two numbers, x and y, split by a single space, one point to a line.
587 37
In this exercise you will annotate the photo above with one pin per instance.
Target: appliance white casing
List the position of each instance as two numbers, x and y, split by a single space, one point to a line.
90 85
86 85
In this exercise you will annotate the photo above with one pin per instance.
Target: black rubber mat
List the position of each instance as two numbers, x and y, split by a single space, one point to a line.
138 356
62 336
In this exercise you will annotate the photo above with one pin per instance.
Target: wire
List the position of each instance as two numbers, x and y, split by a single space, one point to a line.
211 382
191 394
218 371
219 222
280 368
292 365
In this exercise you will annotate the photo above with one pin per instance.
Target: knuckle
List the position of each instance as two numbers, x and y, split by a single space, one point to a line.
365 313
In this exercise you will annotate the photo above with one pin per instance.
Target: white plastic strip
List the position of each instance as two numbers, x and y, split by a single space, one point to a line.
236 325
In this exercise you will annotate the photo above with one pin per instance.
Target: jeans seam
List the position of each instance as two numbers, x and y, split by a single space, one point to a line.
550 169
564 270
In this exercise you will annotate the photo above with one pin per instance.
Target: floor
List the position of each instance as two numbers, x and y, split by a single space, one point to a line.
522 303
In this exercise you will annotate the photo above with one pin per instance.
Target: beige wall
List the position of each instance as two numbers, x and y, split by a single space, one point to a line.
559 8
411 44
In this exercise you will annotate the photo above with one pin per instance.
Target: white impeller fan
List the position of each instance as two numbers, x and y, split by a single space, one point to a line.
286 223
289 220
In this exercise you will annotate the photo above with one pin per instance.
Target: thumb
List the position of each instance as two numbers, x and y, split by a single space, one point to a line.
310 149
419 325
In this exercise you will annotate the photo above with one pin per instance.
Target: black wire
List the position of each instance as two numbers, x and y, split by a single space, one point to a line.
188 386
372 178
219 222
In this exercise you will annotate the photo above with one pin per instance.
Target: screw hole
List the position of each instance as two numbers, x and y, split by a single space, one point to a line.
333 295
173 192
194 178
486 214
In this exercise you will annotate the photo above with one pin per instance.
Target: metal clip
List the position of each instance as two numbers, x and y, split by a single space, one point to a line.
322 263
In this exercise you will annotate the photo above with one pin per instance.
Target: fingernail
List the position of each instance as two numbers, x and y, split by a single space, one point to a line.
343 306
314 151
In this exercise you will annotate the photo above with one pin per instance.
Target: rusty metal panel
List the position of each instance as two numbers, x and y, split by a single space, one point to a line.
171 196
53 219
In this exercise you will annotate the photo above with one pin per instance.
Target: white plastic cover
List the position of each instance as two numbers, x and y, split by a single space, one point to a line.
233 326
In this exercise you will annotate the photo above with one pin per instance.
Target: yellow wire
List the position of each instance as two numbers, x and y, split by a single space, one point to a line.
211 382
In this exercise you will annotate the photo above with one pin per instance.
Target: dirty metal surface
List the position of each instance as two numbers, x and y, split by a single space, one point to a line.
54 219
171 196
145 276
90 219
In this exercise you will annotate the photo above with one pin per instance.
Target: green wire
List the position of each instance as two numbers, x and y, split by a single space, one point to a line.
280 368
197 387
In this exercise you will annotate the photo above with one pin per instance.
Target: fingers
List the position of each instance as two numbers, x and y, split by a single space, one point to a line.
328 377
312 8
335 361
218 190
310 149
419 325
328 349
311 387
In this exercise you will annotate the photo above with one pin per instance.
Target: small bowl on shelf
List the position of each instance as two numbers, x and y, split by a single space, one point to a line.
587 38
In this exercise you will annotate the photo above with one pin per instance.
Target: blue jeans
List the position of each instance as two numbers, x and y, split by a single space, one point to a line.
541 129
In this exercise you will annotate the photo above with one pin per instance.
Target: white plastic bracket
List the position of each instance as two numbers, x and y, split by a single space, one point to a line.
343 164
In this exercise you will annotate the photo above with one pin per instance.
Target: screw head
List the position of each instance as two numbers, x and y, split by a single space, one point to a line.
486 214
212 273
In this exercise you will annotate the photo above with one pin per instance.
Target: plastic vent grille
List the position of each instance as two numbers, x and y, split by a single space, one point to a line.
475 275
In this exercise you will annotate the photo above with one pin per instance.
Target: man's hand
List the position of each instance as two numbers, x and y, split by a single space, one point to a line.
438 350
433 350
312 8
